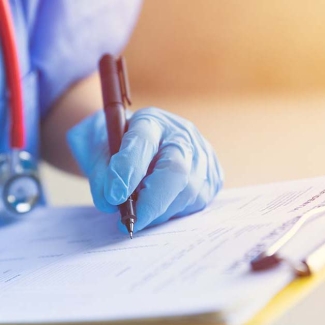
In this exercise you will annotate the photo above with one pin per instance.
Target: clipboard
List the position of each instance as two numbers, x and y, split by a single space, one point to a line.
294 292
310 272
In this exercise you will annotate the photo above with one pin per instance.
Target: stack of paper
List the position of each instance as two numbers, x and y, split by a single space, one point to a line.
72 264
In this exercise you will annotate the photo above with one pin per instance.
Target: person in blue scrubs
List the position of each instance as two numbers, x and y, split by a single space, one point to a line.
163 156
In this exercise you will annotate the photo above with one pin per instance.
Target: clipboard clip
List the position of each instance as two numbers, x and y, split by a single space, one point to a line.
305 267
124 80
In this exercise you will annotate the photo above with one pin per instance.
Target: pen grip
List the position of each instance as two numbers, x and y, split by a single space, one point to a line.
116 126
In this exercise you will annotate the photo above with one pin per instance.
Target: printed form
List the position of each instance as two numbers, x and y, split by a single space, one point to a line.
72 264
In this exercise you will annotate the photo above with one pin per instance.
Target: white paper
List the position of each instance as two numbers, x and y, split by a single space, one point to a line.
72 264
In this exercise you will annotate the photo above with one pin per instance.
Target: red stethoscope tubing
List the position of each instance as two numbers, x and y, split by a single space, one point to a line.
10 55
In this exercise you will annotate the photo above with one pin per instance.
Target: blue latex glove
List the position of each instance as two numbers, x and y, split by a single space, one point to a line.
163 156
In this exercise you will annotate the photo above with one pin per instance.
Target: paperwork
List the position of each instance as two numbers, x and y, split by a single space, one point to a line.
72 264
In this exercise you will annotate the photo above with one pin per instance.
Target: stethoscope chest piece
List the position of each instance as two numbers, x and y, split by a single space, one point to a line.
19 182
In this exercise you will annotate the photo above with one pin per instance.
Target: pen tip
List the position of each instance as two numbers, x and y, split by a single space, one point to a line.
129 226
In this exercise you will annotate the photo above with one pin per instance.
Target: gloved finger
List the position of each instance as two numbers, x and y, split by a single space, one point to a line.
129 166
189 195
96 182
206 180
94 166
181 201
203 198
215 175
195 197
87 138
187 198
169 177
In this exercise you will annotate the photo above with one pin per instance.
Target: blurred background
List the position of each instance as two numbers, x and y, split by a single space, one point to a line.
250 74
228 46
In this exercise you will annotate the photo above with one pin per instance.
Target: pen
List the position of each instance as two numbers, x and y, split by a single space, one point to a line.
116 94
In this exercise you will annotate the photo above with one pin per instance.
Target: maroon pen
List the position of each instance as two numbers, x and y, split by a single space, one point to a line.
116 94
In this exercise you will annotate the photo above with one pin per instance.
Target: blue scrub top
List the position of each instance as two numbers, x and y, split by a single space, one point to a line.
60 42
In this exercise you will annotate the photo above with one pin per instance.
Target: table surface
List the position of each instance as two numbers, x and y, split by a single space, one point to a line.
258 139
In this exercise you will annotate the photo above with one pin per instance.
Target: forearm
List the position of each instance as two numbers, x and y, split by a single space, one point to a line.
79 101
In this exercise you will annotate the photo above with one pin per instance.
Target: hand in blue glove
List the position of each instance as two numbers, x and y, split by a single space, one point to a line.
162 156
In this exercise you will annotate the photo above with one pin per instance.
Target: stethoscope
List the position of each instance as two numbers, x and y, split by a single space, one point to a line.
19 182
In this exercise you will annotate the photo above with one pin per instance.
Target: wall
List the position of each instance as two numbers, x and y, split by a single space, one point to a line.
228 46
